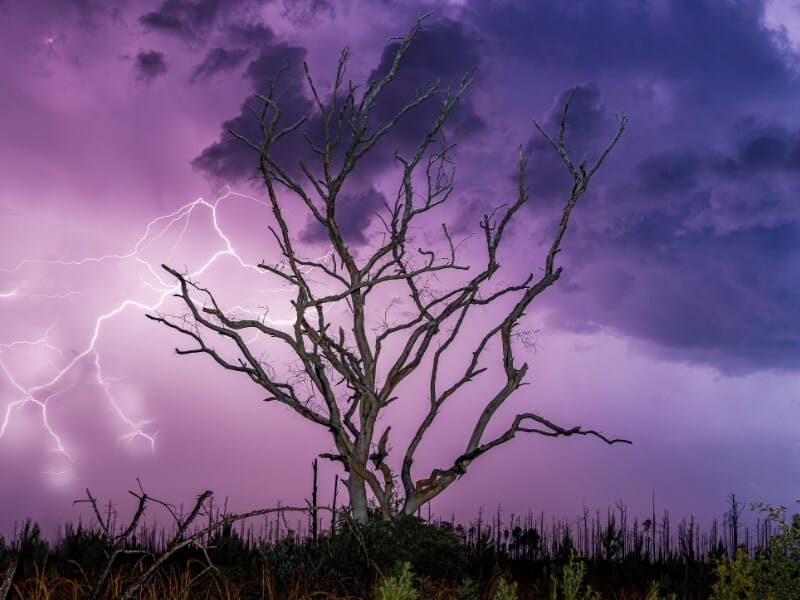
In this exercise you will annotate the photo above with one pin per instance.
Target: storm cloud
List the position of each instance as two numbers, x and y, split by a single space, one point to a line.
231 159
182 18
219 60
150 64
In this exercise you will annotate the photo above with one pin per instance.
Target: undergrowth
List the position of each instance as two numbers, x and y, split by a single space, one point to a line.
404 559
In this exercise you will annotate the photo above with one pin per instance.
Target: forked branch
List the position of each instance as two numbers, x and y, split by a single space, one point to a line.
355 361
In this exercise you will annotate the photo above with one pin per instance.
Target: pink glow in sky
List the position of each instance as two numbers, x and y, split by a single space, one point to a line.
676 322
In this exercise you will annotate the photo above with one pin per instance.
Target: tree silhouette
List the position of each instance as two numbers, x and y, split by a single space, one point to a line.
351 369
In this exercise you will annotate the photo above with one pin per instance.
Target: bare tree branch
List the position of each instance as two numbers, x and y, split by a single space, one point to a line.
348 360
179 540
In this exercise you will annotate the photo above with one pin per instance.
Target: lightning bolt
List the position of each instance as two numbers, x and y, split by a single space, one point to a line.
44 391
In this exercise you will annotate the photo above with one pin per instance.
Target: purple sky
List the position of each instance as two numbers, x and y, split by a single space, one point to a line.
675 323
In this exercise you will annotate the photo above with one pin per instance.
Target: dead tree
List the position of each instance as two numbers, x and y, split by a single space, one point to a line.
120 544
354 367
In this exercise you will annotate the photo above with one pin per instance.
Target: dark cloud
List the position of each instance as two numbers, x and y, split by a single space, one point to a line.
705 272
218 60
669 171
256 34
164 23
753 184
691 251
687 240
181 17
230 159
759 202
305 12
445 50
149 65
727 301
712 46
686 243
768 149
586 118
761 147
281 63
354 214
92 11
588 130
89 15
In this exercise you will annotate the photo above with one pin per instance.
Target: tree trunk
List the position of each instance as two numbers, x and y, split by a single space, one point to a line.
357 488
411 506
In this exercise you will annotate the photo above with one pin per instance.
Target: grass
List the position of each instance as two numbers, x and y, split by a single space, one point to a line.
408 559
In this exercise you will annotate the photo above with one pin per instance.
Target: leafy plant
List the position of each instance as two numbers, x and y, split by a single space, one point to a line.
397 587
774 574
777 570
505 590
467 589
572 575
734 578
432 551
654 593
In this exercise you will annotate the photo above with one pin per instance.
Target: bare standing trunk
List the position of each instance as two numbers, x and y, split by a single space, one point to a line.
357 488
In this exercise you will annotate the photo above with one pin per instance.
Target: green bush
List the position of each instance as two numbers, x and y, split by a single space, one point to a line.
774 574
399 586
468 589
654 593
354 551
777 572
734 578
572 575
505 590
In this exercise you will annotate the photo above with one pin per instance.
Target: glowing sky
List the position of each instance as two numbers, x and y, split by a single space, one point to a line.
676 323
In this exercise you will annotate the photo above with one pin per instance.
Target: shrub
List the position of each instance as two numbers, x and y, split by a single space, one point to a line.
432 551
571 580
777 572
505 590
468 589
398 586
774 574
734 578
654 593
